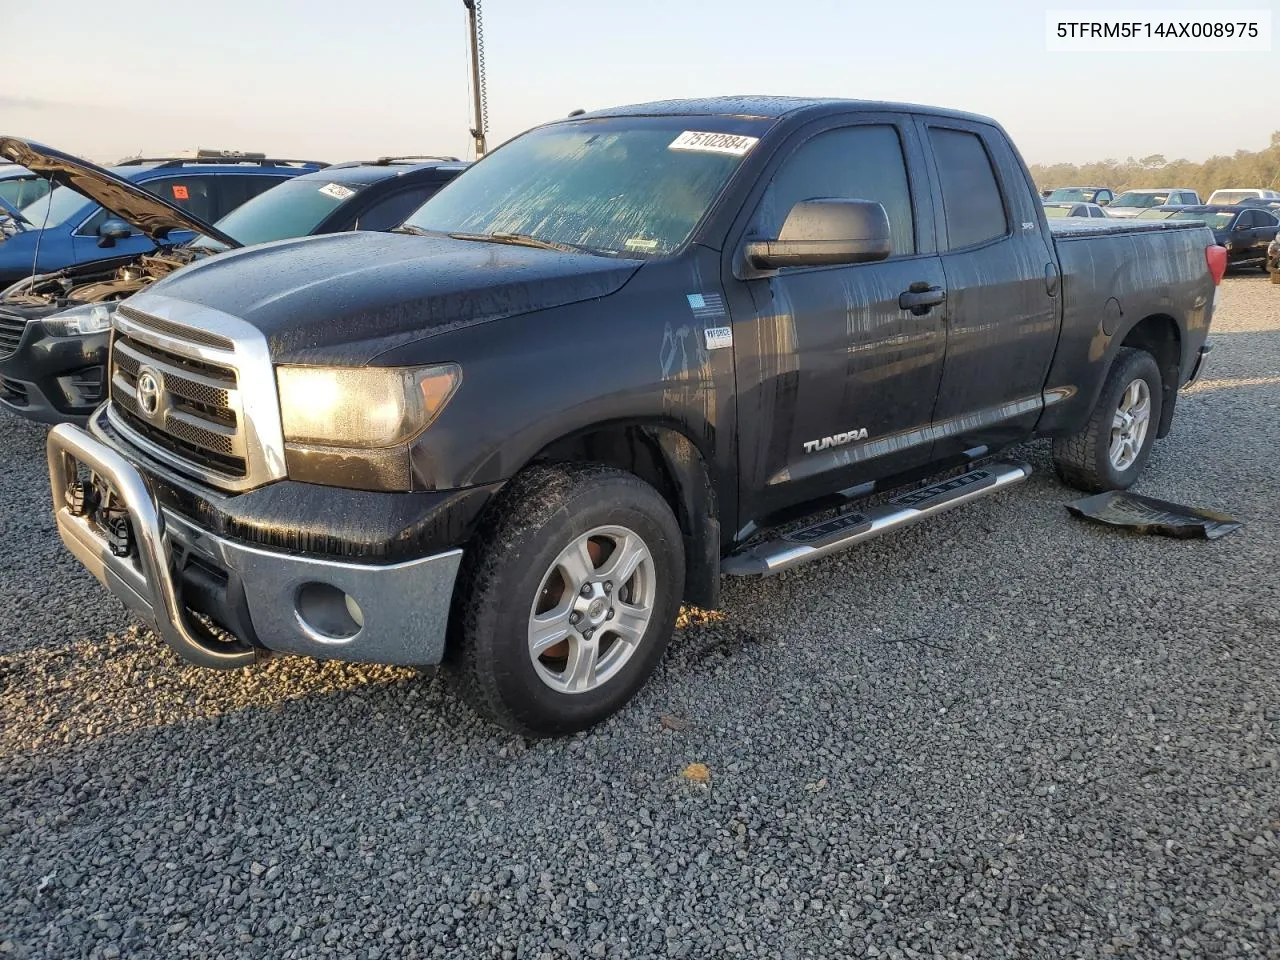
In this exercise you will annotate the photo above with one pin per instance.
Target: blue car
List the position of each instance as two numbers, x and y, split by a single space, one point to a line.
54 327
69 229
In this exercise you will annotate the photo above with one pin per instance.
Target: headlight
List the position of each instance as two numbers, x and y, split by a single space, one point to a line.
80 321
362 407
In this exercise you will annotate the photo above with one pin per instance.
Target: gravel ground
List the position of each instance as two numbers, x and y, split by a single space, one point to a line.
1004 734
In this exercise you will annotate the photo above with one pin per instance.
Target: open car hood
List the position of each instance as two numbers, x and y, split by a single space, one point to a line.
155 217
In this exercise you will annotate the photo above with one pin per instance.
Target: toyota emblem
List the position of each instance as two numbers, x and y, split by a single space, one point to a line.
149 387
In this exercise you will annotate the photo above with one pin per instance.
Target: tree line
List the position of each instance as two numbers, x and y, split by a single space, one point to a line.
1245 168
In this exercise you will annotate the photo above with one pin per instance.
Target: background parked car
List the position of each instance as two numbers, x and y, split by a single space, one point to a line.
1073 210
1244 231
359 195
1237 194
54 328
73 229
1132 202
1099 195
1264 203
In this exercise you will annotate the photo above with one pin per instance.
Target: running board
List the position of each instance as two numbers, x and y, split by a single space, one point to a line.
829 536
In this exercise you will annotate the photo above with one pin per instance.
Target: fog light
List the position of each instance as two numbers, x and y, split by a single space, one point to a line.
82 498
119 535
327 613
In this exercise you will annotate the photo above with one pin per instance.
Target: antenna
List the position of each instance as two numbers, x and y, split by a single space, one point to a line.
480 96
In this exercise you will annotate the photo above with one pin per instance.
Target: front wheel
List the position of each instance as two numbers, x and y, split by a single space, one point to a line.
567 598
1111 450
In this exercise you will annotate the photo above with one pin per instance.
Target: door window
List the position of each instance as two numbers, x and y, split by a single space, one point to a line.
853 163
971 200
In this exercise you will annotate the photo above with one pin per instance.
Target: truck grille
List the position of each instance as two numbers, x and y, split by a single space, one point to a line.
197 417
11 330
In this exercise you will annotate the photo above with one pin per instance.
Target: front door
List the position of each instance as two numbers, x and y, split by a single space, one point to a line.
836 381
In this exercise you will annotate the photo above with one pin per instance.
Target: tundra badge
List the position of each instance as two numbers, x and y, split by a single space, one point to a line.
813 446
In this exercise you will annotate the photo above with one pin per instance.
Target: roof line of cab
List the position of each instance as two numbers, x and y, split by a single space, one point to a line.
773 108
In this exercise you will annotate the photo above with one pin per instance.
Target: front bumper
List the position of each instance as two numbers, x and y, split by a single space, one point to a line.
54 379
178 577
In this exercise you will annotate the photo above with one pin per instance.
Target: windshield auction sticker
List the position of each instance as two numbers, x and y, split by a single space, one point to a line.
1161 31
730 143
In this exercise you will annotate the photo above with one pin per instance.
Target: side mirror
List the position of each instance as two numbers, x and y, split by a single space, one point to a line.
1103 203
825 232
112 230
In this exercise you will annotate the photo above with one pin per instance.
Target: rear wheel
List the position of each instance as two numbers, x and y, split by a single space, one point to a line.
1111 450
567 599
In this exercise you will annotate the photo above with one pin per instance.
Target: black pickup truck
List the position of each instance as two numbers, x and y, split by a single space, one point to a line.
626 353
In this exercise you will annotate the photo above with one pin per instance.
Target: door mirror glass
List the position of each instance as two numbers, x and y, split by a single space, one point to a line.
112 230
825 232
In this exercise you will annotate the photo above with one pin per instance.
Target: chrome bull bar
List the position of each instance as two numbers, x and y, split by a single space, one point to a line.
147 585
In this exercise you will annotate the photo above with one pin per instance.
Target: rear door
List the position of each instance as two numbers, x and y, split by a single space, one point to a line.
836 382
1001 279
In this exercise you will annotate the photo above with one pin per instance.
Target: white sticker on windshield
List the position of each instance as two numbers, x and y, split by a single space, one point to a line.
730 143
337 191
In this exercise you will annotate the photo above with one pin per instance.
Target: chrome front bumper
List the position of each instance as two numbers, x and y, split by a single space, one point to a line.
395 613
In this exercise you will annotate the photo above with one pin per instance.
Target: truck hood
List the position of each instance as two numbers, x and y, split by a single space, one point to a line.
344 298
155 217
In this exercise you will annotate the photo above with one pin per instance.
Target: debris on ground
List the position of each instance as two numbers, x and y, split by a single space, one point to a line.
696 773
1120 508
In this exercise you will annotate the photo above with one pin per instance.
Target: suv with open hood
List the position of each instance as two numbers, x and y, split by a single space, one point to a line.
54 326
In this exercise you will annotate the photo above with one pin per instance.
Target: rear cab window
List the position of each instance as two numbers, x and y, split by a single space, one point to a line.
972 204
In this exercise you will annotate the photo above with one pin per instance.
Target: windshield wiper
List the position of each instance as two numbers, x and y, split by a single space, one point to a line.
410 229
522 240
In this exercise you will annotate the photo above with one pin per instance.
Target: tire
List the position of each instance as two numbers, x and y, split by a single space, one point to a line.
548 525
1085 460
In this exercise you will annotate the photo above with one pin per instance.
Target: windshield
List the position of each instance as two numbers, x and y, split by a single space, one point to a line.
59 206
1057 211
1232 196
1156 214
23 190
293 209
622 186
1072 194
1216 221
1140 200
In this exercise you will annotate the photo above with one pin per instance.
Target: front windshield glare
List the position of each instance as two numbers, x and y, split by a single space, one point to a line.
1071 193
633 187
1140 200
55 208
292 209
1215 221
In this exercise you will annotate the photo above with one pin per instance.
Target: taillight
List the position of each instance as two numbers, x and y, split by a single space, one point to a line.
1216 257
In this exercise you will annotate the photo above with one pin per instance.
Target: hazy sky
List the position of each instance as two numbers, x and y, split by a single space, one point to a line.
343 80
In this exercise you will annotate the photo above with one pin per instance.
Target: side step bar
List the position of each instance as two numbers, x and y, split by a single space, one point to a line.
829 536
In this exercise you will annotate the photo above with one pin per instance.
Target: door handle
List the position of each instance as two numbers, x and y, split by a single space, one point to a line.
920 298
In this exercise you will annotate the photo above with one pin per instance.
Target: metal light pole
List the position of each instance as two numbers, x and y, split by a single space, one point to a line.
479 95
